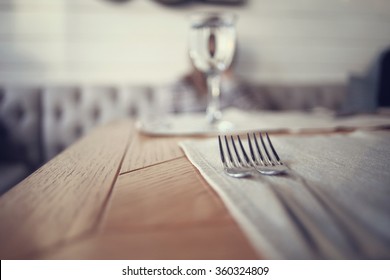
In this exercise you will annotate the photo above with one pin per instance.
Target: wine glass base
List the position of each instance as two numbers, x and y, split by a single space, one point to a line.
222 126
184 124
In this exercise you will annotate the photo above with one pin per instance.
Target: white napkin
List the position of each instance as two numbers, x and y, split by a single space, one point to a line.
296 121
335 202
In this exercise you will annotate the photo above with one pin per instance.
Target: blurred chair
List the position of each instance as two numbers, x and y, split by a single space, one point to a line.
70 112
384 80
20 139
38 123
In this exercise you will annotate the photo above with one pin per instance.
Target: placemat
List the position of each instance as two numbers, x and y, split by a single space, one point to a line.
333 204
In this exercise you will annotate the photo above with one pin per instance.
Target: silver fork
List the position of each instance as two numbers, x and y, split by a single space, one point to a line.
239 164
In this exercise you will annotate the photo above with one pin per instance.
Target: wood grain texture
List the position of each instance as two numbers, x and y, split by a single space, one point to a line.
79 206
65 198
165 211
206 242
146 150
168 195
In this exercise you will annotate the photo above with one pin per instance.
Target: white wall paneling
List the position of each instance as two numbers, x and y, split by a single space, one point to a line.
142 42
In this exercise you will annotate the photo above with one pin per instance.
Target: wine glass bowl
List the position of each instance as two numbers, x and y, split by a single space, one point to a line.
212 43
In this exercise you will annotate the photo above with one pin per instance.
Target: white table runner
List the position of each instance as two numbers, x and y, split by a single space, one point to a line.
335 203
288 121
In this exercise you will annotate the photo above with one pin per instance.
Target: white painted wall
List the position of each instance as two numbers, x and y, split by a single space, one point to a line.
142 42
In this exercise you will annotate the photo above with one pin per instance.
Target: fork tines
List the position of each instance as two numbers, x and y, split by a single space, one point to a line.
261 153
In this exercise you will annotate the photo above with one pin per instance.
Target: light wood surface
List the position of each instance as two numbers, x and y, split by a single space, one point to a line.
117 194
65 198
179 197
146 151
205 242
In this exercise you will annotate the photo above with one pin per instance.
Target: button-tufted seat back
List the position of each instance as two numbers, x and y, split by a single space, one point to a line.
54 117
40 122
69 112
20 116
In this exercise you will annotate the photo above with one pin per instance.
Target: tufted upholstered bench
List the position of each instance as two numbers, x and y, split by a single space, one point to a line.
20 140
38 123
70 112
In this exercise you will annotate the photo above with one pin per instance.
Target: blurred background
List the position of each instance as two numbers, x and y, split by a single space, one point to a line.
69 65
144 42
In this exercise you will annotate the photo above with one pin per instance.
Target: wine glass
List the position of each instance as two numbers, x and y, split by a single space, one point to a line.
212 44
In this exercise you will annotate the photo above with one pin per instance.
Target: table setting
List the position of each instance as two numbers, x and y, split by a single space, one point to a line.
323 195
219 184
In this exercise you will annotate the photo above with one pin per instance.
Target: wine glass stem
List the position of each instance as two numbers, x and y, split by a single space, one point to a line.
213 112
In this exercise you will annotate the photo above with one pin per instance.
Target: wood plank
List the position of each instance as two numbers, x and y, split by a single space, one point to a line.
158 213
168 195
65 198
206 242
146 150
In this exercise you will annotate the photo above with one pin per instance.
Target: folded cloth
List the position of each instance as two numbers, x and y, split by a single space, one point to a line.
296 121
333 203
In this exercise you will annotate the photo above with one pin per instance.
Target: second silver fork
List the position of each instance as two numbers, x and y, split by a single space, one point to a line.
238 163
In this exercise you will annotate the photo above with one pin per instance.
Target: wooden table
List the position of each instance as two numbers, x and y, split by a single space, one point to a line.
116 194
